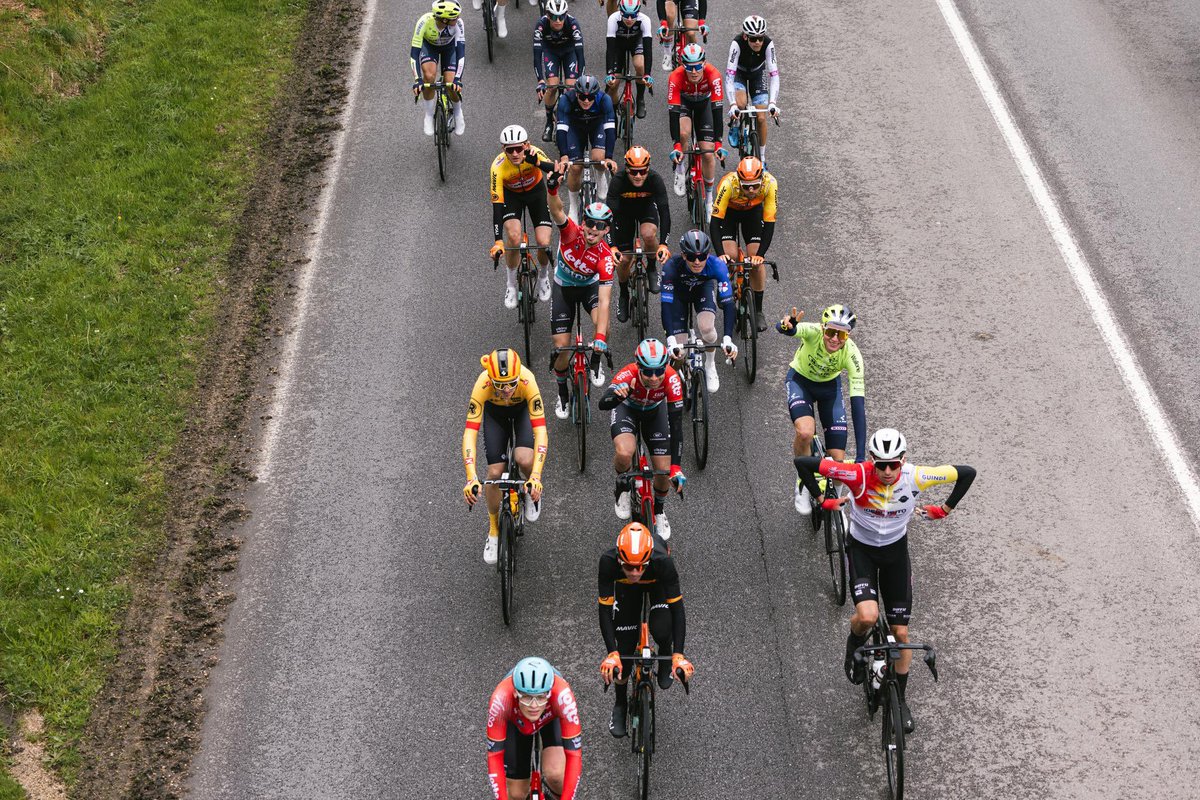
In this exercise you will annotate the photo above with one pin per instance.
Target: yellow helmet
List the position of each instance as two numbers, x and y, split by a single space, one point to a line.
503 365
447 10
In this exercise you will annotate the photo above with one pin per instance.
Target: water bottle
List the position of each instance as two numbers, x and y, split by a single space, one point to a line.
878 665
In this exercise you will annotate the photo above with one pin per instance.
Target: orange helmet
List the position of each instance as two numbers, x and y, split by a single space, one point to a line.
634 544
750 170
637 157
503 365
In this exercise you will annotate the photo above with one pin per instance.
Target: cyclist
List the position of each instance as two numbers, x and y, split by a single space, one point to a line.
694 12
533 700
695 97
586 121
439 42
752 76
629 34
884 491
638 199
695 278
646 399
557 57
629 571
814 378
506 402
517 186
583 274
746 202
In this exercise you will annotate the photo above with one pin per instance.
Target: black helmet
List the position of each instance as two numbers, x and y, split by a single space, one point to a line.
587 86
694 243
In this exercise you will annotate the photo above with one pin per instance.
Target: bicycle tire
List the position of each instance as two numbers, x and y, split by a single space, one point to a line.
751 339
893 741
504 564
489 26
700 420
639 310
755 147
646 712
630 115
579 400
439 136
528 285
835 547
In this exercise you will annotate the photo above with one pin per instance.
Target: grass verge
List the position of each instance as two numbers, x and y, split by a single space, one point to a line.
117 198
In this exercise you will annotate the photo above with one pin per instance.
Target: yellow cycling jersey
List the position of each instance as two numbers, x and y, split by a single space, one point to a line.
516 177
527 392
731 197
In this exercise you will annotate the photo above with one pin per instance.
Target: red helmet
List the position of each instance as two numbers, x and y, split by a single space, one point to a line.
634 544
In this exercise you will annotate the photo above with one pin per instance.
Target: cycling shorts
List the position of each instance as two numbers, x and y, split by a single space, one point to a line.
689 9
652 425
754 84
803 394
583 136
562 309
631 45
518 748
446 57
702 298
533 201
882 569
702 119
749 221
502 424
563 65
627 226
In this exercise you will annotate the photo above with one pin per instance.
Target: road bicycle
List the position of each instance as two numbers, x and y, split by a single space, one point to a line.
627 105
585 359
747 322
745 123
587 185
512 528
443 122
536 792
554 92
644 667
527 272
639 290
836 528
638 480
695 393
882 689
696 195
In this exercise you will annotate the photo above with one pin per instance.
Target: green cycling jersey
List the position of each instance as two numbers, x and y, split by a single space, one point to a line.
817 364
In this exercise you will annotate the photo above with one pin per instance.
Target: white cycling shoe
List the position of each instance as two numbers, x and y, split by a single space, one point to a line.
543 289
666 62
501 24
711 379
680 182
460 122
803 499
477 4
429 124
532 510
489 550
510 297
561 410
597 376
662 526
621 507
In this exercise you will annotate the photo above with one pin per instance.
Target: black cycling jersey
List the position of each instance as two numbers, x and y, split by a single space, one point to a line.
661 579
546 38
629 201
748 61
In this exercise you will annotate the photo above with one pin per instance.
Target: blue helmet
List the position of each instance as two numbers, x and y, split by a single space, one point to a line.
630 8
533 675
652 354
598 214
693 54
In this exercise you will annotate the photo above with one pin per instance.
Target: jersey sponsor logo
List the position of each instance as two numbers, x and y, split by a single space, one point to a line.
843 473
472 408
537 405
495 710
566 701
576 743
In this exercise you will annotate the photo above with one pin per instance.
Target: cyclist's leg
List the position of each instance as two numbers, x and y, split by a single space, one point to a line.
598 154
623 430
751 224
685 137
429 66
726 230
656 433
562 319
760 95
551 66
704 304
622 242
691 17
705 138
895 583
863 582
666 14
800 408
834 421
543 226
522 432
497 430
512 235
554 759
518 752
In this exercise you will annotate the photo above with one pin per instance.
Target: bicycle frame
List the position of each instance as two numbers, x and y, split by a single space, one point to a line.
639 482
587 185
639 293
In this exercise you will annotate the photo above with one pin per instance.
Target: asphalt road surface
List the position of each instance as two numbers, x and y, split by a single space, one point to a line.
367 636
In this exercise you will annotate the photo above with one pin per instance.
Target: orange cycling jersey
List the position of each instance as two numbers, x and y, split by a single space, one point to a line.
526 392
516 177
731 197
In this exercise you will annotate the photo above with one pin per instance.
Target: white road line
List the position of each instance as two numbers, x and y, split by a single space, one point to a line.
1147 402
333 173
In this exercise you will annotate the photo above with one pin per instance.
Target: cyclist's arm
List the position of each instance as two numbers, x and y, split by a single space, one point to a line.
566 709
537 420
605 293
666 295
414 54
606 586
724 292
769 207
960 475
616 188
577 38
609 400
460 48
563 114
612 61
858 405
772 68
675 416
718 226
661 7
497 777
555 206
661 202
470 439
703 10
647 38
497 190
610 125
539 69
807 467
731 73
668 577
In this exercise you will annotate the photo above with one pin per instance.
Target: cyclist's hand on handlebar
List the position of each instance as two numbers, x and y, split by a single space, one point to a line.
674 348
773 109
611 78
731 349
610 667
664 31
678 478
834 503
458 84
677 154
497 249
703 28
541 90
416 88
533 487
599 345
756 260
722 154
471 492
610 165
679 663
934 512
663 253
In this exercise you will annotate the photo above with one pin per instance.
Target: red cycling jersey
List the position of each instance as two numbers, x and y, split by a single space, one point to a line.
578 264
710 87
642 396
503 710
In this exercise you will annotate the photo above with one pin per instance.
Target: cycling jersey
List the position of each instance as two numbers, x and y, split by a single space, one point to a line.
578 264
816 363
504 712
484 393
546 39
680 90
746 65
642 410
623 38
517 177
595 127
880 513
681 286
731 197
428 34
661 578
643 397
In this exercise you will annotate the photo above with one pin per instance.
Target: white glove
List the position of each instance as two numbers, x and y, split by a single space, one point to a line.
674 347
729 347
772 109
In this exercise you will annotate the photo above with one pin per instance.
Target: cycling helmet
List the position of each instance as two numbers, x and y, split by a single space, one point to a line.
887 445
754 25
634 544
587 86
694 243
651 354
693 54
533 675
446 10
637 157
630 8
556 8
503 365
838 317
598 212
749 170
513 134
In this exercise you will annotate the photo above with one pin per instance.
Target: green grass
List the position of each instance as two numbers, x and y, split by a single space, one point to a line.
127 130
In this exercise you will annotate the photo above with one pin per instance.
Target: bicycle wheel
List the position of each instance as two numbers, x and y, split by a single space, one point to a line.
440 137
750 338
700 419
504 563
893 741
646 712
638 307
489 25
579 412
628 111
528 288
835 548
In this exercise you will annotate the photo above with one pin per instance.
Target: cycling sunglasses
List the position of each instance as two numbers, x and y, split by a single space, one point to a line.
694 67
755 39
888 465
625 565
834 333
580 96
595 225
637 172
695 258
533 700
507 386
514 149
557 17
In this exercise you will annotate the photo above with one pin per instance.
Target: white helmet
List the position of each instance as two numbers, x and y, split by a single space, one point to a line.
556 8
754 25
887 445
513 134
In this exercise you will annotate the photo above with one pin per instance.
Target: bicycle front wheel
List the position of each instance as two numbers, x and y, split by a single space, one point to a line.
489 26
580 412
835 547
528 286
700 420
893 741
505 563
750 339
646 713
440 137
639 306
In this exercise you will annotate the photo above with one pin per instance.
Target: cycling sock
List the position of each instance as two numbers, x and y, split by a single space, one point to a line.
758 301
659 499
622 693
512 277
708 189
641 92
429 105
762 149
619 490
902 683
564 393
493 524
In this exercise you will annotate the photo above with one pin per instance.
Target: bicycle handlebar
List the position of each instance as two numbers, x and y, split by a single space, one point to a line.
653 659
747 263
892 649
521 248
